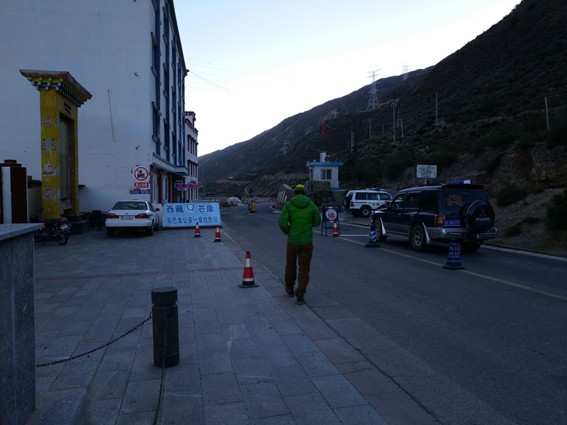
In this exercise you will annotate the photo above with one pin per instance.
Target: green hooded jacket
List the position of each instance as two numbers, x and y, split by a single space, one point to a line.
299 215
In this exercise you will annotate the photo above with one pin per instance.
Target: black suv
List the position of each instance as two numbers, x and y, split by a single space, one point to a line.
440 213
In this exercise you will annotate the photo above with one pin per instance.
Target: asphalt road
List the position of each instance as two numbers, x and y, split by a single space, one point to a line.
482 345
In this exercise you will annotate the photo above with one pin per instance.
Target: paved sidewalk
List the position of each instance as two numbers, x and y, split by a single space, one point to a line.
247 355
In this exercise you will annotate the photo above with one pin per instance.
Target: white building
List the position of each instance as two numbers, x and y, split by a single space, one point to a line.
192 184
132 133
325 171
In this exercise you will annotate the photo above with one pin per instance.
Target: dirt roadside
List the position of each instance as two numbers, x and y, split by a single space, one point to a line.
522 226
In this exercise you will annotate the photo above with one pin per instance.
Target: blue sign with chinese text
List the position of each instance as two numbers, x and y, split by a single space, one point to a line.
188 215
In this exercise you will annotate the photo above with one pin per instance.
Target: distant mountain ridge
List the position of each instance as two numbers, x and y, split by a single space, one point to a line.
480 113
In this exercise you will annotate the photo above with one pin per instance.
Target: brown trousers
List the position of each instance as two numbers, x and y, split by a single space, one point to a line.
295 254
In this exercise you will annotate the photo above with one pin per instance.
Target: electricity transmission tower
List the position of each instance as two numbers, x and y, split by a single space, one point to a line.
373 100
405 71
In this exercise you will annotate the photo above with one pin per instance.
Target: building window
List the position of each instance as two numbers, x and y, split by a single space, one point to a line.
156 37
326 174
166 30
155 55
174 149
165 80
155 128
166 144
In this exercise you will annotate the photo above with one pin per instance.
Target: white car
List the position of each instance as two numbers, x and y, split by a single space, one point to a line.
132 214
363 202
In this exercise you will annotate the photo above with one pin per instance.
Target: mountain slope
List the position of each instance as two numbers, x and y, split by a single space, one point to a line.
480 113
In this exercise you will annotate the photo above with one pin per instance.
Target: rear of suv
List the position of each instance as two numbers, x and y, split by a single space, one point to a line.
363 202
442 213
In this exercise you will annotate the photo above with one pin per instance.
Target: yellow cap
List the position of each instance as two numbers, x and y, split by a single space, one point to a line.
300 188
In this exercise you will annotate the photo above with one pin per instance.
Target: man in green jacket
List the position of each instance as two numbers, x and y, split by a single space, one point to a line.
299 215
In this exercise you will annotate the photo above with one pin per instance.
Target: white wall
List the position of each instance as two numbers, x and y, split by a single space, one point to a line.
109 55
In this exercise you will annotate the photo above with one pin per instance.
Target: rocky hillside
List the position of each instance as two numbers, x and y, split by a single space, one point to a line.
494 112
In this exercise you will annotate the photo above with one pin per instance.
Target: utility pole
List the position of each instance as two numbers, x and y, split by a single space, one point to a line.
351 139
394 105
373 100
546 113
436 111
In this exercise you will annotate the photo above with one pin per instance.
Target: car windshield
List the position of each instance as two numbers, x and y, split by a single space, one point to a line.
129 205
456 200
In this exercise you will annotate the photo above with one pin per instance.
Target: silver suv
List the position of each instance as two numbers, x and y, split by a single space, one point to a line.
363 202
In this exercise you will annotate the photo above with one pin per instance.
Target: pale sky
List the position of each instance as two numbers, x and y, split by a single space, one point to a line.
253 63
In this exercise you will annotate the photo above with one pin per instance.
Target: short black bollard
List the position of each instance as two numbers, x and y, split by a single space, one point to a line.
165 326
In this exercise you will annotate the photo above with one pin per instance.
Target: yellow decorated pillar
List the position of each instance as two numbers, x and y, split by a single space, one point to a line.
60 98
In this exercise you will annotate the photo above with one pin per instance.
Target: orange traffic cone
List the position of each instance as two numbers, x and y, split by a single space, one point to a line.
335 229
248 275
197 231
217 235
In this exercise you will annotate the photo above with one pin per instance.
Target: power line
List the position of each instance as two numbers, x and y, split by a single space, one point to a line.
212 83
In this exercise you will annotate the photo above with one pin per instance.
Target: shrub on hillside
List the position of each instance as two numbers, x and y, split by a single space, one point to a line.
492 165
531 220
558 133
395 168
510 194
320 192
517 228
556 219
502 136
514 230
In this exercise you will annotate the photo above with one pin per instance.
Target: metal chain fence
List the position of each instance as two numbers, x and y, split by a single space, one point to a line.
162 380
164 351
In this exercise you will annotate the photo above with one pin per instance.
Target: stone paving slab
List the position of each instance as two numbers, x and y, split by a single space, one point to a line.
247 355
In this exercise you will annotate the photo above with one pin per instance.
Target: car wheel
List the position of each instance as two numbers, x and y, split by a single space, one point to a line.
365 211
62 239
417 238
150 230
110 232
377 224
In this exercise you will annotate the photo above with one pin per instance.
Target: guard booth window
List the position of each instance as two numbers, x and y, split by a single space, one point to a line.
325 174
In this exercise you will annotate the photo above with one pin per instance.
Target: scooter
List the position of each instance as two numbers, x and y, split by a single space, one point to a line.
53 230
